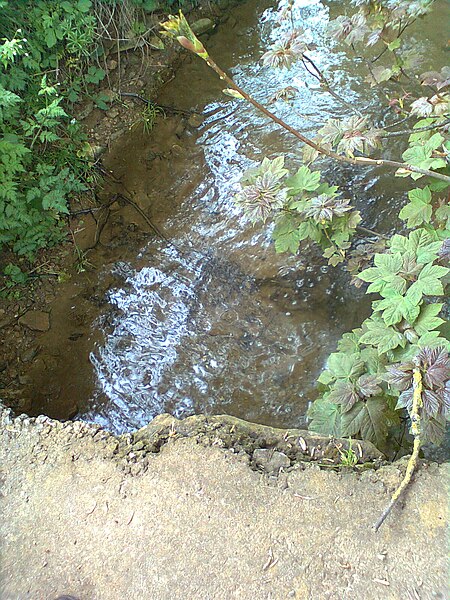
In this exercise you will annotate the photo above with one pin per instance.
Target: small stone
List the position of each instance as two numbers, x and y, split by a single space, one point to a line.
113 113
195 120
29 354
111 65
270 461
5 322
37 320
202 26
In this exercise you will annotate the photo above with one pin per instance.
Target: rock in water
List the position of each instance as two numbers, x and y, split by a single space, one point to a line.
202 26
37 320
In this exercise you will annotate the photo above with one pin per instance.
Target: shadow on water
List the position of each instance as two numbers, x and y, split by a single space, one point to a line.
215 321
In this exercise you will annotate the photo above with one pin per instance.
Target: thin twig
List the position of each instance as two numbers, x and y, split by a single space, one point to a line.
386 134
166 108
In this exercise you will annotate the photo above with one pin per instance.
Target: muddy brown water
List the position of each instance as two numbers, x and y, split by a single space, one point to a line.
211 320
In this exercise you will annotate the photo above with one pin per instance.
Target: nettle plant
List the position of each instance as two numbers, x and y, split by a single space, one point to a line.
52 55
43 158
395 366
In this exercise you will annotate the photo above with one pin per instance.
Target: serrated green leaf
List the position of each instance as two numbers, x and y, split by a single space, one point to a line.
418 210
428 283
394 45
367 419
304 180
325 417
397 308
309 229
344 366
420 242
389 264
326 377
428 319
442 214
349 342
383 337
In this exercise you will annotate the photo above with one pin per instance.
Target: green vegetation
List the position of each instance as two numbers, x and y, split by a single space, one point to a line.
369 384
52 56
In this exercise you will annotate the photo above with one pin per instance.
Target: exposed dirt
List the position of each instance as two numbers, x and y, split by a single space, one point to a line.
87 514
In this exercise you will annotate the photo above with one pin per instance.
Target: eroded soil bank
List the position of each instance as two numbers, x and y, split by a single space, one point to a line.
104 518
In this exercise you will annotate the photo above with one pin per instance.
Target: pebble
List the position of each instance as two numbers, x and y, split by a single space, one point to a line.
37 320
270 461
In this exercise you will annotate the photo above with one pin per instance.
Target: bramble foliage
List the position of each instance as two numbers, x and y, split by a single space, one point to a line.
359 397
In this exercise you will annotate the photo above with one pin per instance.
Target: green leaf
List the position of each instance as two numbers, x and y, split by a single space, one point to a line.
380 335
304 180
428 283
325 417
287 242
384 278
397 308
394 45
367 419
442 214
286 235
50 38
388 263
419 209
344 366
349 342
428 319
309 229
84 5
326 377
420 242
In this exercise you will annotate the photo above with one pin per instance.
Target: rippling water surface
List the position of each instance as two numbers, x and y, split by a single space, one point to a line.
215 321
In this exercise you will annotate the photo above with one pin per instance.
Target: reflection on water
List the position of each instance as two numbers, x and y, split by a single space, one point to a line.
217 322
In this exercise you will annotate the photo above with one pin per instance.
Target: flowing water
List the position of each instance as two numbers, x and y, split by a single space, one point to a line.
213 321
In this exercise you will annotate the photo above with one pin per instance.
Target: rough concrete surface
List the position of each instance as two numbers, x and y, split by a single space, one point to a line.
196 522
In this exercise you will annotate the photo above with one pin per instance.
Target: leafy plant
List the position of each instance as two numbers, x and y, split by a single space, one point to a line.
302 207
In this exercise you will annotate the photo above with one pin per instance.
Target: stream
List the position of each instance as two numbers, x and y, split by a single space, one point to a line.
211 320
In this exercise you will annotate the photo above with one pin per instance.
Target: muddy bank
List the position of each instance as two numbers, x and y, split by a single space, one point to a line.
193 520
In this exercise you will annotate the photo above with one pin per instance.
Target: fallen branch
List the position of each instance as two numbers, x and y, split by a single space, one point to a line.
412 463
179 29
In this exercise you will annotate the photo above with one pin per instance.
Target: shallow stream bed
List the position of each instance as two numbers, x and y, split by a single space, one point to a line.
209 319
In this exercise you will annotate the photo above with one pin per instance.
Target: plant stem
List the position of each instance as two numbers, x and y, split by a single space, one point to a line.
357 160
326 84
417 130
412 462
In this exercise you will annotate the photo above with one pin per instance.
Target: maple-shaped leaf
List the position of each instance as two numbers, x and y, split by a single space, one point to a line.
433 429
378 334
432 402
428 319
325 417
435 363
367 419
400 376
369 385
345 394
